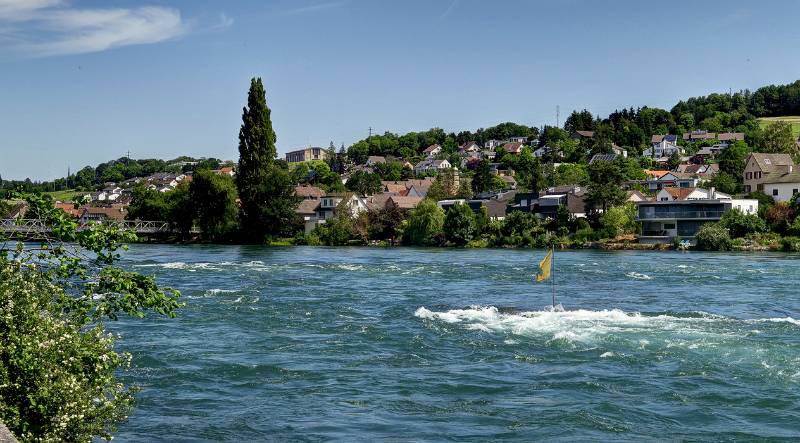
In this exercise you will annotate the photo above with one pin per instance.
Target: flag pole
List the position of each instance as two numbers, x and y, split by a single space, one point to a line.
553 275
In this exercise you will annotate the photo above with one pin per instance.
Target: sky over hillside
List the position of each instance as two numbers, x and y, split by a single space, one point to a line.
86 81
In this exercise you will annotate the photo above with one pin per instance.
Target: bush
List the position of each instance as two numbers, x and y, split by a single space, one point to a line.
584 235
740 224
780 216
56 379
619 220
713 237
791 244
337 231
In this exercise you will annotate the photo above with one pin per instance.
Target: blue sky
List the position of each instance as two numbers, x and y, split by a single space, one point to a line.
85 81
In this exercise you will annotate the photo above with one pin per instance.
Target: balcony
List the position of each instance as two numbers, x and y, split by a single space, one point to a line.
681 215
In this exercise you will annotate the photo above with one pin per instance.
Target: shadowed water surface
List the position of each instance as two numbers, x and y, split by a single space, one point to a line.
317 344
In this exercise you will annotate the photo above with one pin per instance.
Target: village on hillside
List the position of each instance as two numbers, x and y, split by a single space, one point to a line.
674 195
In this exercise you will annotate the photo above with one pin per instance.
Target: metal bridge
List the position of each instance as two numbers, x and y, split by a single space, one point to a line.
37 226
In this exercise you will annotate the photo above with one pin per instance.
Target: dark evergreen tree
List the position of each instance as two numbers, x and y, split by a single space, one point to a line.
265 189
482 180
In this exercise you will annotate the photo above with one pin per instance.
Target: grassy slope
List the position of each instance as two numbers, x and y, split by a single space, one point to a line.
65 195
792 120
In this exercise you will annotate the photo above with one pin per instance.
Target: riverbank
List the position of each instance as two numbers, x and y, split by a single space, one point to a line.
609 245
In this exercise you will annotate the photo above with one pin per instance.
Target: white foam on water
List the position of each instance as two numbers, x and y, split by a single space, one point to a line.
586 326
638 276
778 320
578 325
607 354
216 291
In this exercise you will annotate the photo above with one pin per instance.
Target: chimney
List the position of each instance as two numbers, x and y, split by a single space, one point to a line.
789 168
712 193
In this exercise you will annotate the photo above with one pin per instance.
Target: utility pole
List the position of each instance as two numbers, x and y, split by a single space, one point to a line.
370 133
558 117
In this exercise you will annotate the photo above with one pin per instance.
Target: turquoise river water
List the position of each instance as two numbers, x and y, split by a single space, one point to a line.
366 344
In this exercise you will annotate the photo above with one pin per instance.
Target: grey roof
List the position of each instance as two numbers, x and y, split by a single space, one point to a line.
603 157
792 177
768 162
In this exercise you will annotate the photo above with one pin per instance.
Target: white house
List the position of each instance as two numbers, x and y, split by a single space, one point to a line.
518 139
782 187
662 149
431 165
680 194
432 150
491 144
469 147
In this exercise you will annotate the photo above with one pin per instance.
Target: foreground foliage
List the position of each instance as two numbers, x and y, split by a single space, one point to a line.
57 363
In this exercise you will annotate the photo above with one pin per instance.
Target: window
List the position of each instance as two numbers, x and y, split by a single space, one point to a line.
748 176
747 188
794 191
775 192
669 225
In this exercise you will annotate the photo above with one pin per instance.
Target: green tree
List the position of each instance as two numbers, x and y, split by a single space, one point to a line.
256 175
740 224
605 179
620 220
459 224
384 223
571 174
214 197
424 223
733 159
674 160
359 152
529 171
364 183
147 204
482 180
777 137
436 192
274 205
724 182
85 178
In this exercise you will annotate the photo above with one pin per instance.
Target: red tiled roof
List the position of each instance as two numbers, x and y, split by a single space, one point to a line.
308 192
404 202
679 193
431 148
513 147
307 206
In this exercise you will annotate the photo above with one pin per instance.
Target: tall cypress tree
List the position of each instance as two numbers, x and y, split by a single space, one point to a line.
256 141
265 190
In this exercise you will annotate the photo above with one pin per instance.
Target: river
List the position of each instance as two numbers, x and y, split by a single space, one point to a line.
365 344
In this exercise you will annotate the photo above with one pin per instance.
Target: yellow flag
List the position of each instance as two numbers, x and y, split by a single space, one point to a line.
544 267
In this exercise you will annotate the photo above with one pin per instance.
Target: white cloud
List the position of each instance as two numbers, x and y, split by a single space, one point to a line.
41 28
314 8
224 22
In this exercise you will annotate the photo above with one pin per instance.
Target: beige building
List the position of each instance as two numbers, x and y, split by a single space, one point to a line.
306 154
761 168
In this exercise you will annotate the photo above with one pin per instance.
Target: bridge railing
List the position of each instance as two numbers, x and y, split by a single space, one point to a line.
35 225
